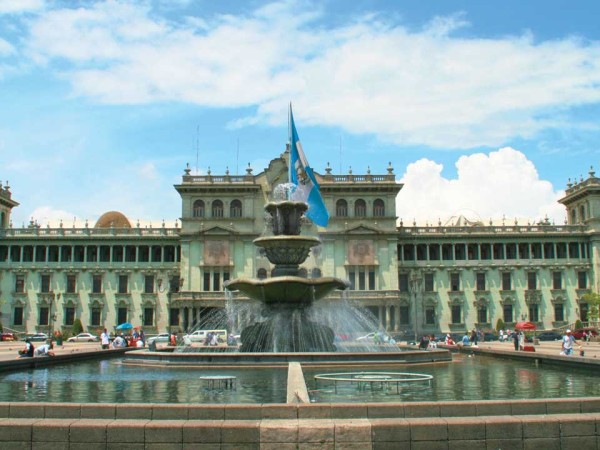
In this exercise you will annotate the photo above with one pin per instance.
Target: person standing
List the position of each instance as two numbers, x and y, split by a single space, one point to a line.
515 338
567 343
105 340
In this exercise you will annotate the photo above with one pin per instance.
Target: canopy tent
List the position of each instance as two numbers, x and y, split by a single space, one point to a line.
525 326
125 326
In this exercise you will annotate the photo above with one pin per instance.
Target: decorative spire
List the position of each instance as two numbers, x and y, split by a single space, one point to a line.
328 169
592 173
390 169
187 169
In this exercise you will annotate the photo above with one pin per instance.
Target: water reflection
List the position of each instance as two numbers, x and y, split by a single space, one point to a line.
466 378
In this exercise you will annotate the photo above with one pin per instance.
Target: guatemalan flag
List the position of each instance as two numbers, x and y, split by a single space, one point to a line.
307 188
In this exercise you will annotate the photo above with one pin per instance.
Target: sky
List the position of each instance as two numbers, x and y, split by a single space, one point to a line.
484 109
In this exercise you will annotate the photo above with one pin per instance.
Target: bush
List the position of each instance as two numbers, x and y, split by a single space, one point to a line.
77 327
500 325
578 324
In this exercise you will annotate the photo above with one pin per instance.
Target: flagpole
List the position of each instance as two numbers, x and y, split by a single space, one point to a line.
290 143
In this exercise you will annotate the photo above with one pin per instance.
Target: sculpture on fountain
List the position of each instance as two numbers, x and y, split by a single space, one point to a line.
287 297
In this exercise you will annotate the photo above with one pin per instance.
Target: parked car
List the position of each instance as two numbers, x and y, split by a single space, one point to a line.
549 336
201 335
162 337
38 337
489 337
8 337
578 333
84 337
371 337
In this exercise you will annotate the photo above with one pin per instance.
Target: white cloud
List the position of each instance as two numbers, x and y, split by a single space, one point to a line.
370 76
501 183
53 217
20 6
6 48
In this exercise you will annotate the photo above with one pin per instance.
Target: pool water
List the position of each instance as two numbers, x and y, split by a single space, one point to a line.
108 381
466 378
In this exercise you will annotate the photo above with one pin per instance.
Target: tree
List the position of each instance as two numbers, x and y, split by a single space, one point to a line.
593 301
500 325
77 327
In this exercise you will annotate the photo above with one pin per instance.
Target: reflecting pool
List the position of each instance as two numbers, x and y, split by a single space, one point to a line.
466 378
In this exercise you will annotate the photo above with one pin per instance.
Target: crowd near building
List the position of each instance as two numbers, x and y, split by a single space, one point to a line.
416 279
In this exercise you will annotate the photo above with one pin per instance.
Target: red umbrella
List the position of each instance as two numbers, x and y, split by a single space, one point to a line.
525 326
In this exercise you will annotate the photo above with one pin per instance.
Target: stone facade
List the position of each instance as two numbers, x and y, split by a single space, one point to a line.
415 279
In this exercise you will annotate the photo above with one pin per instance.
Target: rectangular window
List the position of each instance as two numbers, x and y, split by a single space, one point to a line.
351 277
123 284
556 280
44 315
371 280
18 315
482 315
206 285
71 283
404 317
429 315
121 315
96 284
559 312
508 313
403 282
456 314
20 283
581 280
532 281
174 317
216 281
45 284
428 282
534 313
361 280
149 284
506 281
480 281
69 315
148 317
455 282
95 318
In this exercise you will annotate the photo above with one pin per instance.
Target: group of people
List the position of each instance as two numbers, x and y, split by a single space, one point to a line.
137 339
30 351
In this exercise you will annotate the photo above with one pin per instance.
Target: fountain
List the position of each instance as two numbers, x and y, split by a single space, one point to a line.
286 297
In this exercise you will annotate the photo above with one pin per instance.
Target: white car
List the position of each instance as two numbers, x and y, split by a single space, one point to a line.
371 337
84 337
162 337
202 335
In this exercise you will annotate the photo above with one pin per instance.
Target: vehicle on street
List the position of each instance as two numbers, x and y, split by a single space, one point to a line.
490 337
371 337
549 336
84 337
8 337
38 337
202 335
159 338
578 333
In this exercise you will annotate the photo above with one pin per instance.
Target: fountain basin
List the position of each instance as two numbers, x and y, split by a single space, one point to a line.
287 250
287 290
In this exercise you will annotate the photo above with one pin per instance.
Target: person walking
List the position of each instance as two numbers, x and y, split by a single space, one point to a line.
567 343
105 340
515 338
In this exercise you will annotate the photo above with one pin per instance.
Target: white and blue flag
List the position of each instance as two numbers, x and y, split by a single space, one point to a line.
307 188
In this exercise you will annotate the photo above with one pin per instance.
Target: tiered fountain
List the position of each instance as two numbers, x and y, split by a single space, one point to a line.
287 297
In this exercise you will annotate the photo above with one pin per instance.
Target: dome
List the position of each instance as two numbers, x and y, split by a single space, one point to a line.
113 219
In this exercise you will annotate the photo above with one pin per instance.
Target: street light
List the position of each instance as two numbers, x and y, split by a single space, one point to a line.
415 285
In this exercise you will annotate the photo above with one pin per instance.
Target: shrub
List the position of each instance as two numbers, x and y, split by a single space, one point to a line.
500 325
77 327
578 324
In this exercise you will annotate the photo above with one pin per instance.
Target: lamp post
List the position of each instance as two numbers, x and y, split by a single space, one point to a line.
415 285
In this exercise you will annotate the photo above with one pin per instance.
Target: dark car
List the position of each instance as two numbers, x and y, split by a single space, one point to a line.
549 336
489 337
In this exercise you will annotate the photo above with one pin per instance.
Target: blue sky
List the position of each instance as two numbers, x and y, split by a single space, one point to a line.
483 108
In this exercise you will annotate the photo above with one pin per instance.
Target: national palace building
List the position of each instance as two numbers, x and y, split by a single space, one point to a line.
417 279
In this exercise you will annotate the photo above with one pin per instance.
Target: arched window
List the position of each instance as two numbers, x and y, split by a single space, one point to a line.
360 208
198 210
235 209
217 208
341 208
378 208
261 274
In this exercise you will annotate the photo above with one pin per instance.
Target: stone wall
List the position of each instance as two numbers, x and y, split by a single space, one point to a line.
524 424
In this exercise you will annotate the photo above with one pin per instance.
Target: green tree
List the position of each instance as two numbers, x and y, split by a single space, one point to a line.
500 325
77 327
593 301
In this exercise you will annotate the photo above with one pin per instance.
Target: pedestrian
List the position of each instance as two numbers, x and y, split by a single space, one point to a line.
105 340
501 335
474 337
515 338
567 344
27 352
45 350
173 339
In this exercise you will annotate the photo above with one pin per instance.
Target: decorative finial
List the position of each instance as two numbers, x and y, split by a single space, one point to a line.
350 170
227 170
328 169
368 170
209 172
390 169
569 184
439 222
249 169
187 169
591 172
